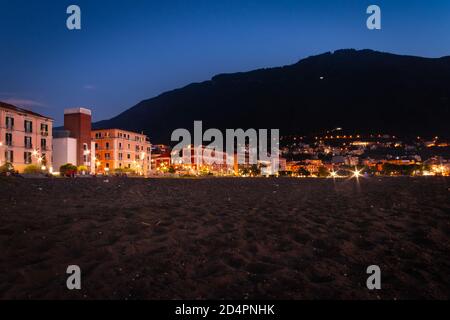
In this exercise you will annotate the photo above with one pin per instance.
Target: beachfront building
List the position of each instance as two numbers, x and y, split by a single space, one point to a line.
160 158
121 151
272 166
200 160
25 138
73 144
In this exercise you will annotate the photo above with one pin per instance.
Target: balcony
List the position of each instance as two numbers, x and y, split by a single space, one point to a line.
29 146
44 133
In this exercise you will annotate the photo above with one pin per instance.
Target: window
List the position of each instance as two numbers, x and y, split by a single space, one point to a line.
44 129
28 126
96 146
98 135
107 165
129 146
9 156
107 156
120 145
120 156
27 157
107 145
28 144
128 156
8 139
9 122
44 144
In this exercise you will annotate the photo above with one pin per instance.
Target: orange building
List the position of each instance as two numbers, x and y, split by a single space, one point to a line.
25 138
118 150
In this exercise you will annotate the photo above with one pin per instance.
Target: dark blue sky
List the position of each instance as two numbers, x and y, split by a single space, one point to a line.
132 50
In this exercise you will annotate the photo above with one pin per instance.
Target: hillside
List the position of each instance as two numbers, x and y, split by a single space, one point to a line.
364 91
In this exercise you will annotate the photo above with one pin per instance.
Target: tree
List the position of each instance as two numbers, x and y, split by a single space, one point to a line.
303 172
82 169
32 169
323 172
7 168
171 169
255 170
68 170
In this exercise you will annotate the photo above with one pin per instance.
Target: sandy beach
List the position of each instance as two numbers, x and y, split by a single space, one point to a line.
225 238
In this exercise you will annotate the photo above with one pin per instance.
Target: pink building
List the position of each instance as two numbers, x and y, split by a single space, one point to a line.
25 137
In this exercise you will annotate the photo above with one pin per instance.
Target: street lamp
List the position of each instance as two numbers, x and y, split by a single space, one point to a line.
142 156
357 173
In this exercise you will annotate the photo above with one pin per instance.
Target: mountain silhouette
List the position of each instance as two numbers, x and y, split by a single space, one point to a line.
364 91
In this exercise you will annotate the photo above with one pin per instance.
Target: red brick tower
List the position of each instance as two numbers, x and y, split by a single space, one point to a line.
78 121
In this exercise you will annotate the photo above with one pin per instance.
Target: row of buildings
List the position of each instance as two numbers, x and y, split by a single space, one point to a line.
28 138
377 153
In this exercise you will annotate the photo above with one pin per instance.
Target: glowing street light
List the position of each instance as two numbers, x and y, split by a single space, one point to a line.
333 174
357 173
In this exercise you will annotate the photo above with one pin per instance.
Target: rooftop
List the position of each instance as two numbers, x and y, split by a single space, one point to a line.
78 110
21 110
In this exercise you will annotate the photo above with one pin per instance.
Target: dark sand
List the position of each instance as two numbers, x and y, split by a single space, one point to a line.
225 238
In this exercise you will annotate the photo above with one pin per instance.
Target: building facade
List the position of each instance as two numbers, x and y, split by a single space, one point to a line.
200 159
25 138
79 122
74 144
64 149
120 150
